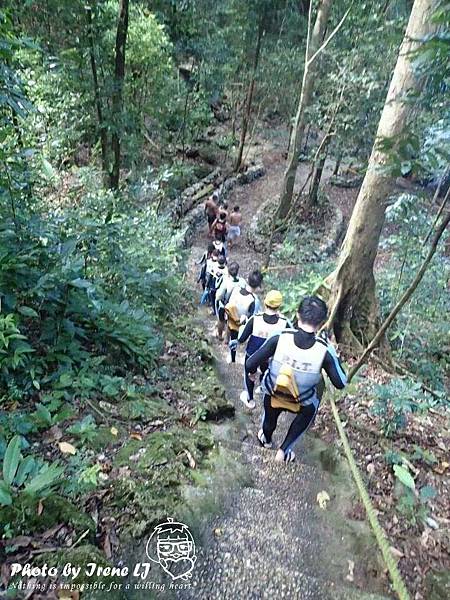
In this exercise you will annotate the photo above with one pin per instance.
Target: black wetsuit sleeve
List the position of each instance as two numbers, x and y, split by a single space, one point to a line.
334 370
251 309
246 332
202 274
262 355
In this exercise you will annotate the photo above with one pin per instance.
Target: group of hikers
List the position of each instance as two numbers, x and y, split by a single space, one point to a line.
289 356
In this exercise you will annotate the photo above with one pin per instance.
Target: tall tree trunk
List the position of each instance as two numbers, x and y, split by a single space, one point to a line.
119 76
355 312
249 97
315 184
97 97
309 77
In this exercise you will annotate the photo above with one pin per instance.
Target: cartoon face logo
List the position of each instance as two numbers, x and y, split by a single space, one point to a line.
173 547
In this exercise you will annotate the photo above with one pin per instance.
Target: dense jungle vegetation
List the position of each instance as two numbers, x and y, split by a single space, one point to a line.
109 110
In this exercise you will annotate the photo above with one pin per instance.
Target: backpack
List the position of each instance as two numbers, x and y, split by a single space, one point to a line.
237 306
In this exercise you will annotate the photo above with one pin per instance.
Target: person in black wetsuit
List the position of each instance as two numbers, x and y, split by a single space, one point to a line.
215 280
203 261
257 330
298 357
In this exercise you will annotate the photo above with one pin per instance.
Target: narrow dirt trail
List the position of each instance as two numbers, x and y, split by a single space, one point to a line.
272 539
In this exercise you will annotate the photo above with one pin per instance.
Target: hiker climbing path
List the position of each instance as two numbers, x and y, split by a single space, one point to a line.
272 539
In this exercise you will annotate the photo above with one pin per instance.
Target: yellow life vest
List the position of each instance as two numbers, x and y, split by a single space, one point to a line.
234 318
286 394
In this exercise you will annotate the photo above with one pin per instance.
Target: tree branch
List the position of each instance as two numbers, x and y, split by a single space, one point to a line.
329 38
441 208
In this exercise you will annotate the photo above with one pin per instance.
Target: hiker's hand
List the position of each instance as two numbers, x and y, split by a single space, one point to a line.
232 344
252 376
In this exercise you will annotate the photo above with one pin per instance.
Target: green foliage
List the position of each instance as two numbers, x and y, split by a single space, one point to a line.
26 480
414 506
306 282
413 503
100 278
404 476
85 429
395 400
420 332
161 463
13 349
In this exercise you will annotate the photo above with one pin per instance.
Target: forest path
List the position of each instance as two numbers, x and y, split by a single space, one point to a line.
272 539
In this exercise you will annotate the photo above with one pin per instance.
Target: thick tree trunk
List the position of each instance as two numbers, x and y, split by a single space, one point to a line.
97 97
404 299
355 312
249 98
309 76
119 76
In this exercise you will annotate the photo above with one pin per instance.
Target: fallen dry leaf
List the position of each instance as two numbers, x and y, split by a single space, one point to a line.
40 508
114 431
351 566
67 448
51 532
323 498
395 552
135 436
440 469
190 458
424 537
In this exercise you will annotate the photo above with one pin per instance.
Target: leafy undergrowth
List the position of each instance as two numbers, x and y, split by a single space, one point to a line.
105 387
399 437
125 465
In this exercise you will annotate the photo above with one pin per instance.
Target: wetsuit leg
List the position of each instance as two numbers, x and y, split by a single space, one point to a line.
233 335
249 384
263 368
270 418
221 322
299 425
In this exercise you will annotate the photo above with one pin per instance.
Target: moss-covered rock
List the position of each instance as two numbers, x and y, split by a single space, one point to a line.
158 465
437 584
144 409
60 510
24 517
